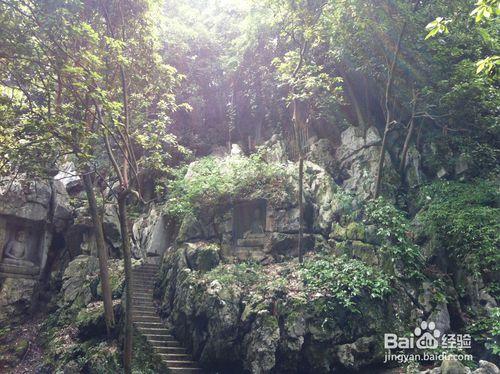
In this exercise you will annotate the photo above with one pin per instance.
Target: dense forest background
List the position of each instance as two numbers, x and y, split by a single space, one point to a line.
237 72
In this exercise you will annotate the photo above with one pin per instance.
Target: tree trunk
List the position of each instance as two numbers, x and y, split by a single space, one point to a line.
301 204
102 253
127 259
409 135
406 146
388 120
300 123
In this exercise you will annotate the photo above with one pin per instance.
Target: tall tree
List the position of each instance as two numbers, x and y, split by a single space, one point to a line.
42 45
101 87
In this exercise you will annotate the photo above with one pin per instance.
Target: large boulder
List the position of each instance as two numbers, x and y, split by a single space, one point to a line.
452 366
273 151
25 199
413 168
152 234
33 217
15 299
486 367
241 316
319 189
261 343
35 200
322 153
358 155
111 225
76 290
362 352
202 256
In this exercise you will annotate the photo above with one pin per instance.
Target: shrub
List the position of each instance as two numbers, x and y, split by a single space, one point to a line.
465 219
341 281
395 234
487 331
213 181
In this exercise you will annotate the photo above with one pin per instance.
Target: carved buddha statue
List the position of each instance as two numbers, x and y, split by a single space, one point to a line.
256 226
15 250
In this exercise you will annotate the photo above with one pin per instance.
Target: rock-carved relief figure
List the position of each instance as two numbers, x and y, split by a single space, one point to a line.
15 250
256 227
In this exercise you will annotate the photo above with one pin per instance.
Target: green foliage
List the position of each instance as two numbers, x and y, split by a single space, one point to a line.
485 10
214 181
395 234
65 63
438 26
242 274
465 218
486 330
488 64
342 281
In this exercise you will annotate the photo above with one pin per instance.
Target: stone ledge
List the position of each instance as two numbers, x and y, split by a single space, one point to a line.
18 276
20 270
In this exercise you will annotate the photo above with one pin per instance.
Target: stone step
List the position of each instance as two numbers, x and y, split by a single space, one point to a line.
141 280
141 287
144 300
142 295
147 266
248 242
159 343
175 356
153 324
17 276
145 272
139 318
154 330
177 349
255 235
144 315
144 308
142 277
149 324
141 302
249 253
180 370
148 288
185 363
141 308
12 268
245 248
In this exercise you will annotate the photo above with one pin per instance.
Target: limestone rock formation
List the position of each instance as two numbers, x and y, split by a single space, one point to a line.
230 322
33 217
358 155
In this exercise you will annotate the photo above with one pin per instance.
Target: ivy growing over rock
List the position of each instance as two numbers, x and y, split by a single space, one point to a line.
343 281
465 219
213 181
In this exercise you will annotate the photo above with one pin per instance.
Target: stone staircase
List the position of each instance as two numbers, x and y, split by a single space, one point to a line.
250 247
148 323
